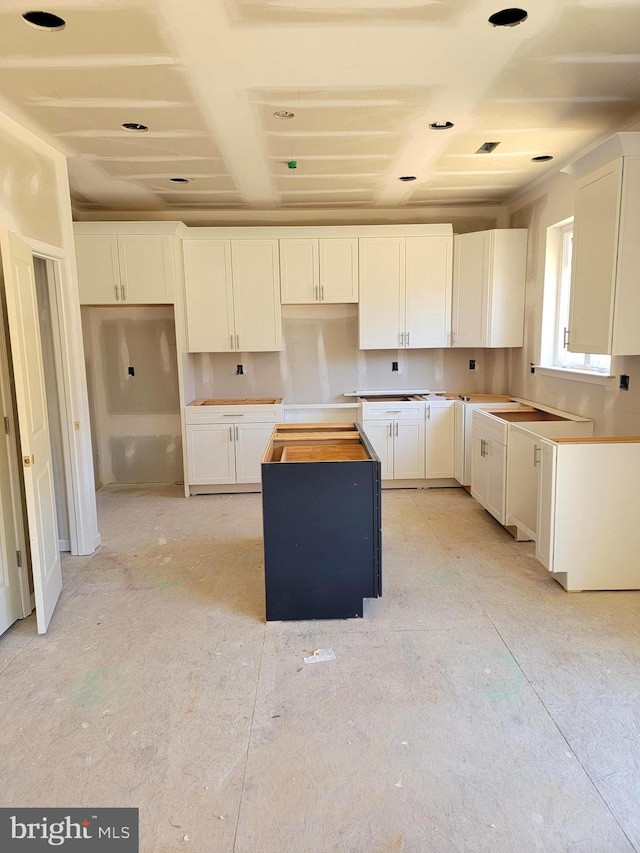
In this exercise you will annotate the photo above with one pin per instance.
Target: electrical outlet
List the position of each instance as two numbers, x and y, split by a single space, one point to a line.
240 370
624 382
472 364
394 367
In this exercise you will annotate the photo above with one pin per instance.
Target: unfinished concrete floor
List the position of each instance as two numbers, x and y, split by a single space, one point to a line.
476 707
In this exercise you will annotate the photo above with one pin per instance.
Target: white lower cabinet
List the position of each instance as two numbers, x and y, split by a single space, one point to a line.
440 451
400 445
211 454
250 443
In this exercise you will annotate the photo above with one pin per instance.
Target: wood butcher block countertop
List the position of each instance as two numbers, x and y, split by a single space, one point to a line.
237 401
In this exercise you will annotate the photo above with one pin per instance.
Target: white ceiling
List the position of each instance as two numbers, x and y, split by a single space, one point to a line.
363 77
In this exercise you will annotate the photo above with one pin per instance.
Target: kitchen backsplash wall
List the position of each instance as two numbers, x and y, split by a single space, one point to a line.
321 360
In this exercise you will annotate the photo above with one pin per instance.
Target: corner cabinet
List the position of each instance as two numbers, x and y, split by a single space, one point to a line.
322 270
232 295
405 292
134 269
489 269
605 298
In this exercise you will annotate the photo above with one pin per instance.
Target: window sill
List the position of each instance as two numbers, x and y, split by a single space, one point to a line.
576 375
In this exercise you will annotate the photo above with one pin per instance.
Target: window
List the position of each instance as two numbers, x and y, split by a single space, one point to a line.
557 298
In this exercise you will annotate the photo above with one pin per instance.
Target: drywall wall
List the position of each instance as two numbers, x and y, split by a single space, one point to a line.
321 360
130 357
614 412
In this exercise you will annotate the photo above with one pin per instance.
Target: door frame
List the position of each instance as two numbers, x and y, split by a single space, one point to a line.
72 392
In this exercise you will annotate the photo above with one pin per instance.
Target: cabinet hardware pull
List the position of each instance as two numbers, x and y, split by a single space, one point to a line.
236 433
230 433
428 411
401 339
237 342
322 292
394 412
390 430
396 429
317 292
117 290
124 293
453 338
408 334
565 338
231 336
536 458
234 415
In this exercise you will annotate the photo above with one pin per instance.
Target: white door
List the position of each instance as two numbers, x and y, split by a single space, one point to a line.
440 439
210 454
145 268
299 271
10 601
338 269
470 286
546 503
256 295
251 443
380 434
428 291
496 478
208 296
31 403
381 307
408 450
98 269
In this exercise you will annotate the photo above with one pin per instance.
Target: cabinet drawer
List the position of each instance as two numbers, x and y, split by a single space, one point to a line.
233 414
391 412
490 427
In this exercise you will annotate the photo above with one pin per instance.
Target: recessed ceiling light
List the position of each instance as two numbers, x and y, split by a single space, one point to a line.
283 114
134 127
182 180
508 18
441 125
543 158
44 21
487 147
408 178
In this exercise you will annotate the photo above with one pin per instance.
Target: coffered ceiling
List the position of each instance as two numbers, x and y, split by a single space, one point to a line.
363 79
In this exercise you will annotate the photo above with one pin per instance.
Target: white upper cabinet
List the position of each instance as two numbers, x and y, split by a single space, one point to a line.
232 295
405 292
489 270
605 297
133 268
319 270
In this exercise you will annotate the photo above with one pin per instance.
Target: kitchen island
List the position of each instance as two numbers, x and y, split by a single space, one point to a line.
322 522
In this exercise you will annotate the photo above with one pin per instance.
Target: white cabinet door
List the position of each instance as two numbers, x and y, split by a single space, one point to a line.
251 442
408 449
381 307
595 248
545 521
459 454
98 269
441 439
338 269
210 454
428 291
380 434
299 271
208 296
496 479
470 282
146 271
522 481
256 295
479 469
